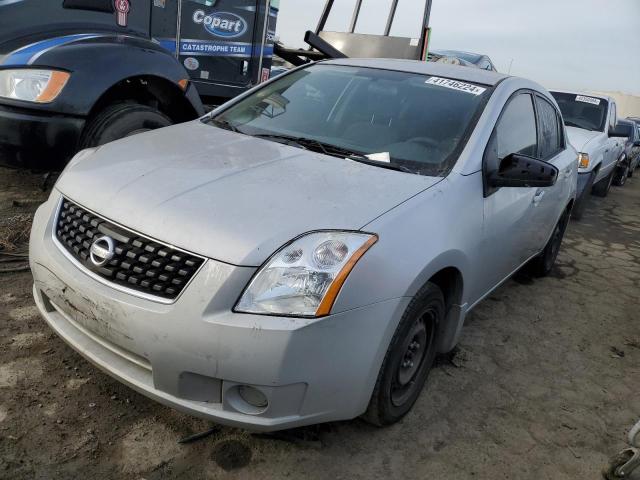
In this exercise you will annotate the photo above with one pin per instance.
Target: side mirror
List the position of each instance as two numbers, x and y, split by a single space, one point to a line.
523 171
619 131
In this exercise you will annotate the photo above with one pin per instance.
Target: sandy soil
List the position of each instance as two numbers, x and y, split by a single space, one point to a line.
544 386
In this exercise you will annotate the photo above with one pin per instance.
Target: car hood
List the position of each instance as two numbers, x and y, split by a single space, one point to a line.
579 137
228 196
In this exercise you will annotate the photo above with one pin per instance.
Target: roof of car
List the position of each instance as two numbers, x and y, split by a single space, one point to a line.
455 72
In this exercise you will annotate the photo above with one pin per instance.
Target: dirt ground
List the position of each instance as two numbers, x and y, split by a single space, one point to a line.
545 384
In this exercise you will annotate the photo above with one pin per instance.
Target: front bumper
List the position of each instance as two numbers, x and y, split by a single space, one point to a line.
193 354
37 139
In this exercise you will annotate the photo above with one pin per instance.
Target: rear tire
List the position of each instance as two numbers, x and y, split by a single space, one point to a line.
601 189
409 358
122 120
542 265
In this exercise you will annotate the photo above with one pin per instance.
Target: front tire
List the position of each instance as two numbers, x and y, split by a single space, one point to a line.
542 265
622 173
122 120
581 202
601 189
409 358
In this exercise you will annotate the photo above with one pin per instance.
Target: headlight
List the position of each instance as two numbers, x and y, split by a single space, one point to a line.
304 277
30 85
583 160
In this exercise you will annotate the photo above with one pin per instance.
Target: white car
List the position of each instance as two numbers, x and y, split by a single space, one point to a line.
592 123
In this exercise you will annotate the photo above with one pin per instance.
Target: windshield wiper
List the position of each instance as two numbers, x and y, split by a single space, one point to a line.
569 123
298 141
310 144
225 124
378 163
334 151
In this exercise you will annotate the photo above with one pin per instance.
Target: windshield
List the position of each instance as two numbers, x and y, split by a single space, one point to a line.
581 111
392 119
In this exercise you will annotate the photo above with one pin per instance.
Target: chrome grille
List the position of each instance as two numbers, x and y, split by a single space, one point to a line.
139 263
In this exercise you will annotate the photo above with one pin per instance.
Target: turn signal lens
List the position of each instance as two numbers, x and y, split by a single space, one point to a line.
583 160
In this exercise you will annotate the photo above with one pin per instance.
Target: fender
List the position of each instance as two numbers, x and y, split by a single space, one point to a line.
97 62
451 327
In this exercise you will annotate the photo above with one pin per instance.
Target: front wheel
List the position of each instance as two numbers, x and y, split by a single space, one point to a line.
409 358
621 175
581 202
122 120
542 265
601 189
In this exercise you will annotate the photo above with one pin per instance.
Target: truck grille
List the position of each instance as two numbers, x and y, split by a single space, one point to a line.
138 263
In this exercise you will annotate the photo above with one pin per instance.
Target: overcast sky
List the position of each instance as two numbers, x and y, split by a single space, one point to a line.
570 44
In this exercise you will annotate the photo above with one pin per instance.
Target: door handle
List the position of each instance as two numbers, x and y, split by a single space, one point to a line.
538 197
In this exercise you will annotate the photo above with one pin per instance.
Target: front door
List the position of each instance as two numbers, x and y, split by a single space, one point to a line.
551 201
509 236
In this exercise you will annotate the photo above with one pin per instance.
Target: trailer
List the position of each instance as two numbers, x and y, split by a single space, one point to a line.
76 74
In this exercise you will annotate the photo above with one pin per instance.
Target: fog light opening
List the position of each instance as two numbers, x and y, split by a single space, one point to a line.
253 396
247 399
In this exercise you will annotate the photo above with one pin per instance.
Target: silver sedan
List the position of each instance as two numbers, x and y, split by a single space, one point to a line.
302 254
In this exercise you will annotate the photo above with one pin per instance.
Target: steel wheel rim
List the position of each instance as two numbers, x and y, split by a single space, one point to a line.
415 348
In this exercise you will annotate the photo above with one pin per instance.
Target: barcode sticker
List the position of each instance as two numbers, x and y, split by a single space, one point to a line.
593 101
456 85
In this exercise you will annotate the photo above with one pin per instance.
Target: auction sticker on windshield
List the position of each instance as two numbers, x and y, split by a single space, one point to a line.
593 101
455 85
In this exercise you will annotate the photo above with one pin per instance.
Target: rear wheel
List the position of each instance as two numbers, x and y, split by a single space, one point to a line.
122 120
601 189
542 265
409 358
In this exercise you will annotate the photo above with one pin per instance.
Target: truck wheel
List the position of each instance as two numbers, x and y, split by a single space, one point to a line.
409 358
601 189
542 265
621 175
122 120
